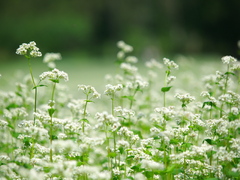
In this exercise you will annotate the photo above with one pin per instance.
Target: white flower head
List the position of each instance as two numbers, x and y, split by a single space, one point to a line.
153 63
125 47
29 50
228 59
50 57
128 68
54 75
170 64
131 59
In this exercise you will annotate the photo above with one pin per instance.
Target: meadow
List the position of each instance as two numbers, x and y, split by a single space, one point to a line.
155 120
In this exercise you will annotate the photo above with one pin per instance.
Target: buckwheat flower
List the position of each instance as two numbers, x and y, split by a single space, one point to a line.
120 55
125 47
140 176
170 64
62 136
147 142
54 75
124 112
141 83
106 118
170 79
153 64
23 159
87 89
119 78
3 123
205 94
185 98
124 131
166 111
4 157
128 68
228 59
131 59
149 164
111 90
41 149
234 110
29 50
50 57
120 44
155 130
156 177
122 143
235 66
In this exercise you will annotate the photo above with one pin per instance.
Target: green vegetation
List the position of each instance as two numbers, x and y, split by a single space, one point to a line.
165 119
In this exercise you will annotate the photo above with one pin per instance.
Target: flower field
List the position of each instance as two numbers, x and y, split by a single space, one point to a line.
170 121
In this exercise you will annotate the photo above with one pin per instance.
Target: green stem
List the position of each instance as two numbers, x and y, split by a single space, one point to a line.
51 123
134 93
165 84
84 113
34 86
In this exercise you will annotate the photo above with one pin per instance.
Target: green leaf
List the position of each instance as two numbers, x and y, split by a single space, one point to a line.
54 80
88 100
138 133
85 120
170 168
112 154
209 141
166 89
231 73
210 153
40 85
187 145
51 111
210 103
131 98
121 150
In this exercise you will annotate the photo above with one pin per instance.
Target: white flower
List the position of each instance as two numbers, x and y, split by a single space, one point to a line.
149 164
170 79
170 64
29 50
185 98
228 59
54 75
128 68
87 89
110 89
50 57
153 63
125 47
131 59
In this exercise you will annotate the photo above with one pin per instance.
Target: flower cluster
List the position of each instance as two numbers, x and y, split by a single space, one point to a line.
49 58
29 50
170 64
87 89
54 75
110 89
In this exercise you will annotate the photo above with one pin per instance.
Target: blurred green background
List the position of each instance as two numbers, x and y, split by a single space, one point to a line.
155 28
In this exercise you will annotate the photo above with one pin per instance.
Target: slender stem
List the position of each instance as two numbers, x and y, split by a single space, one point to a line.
113 98
84 113
134 93
165 84
51 123
34 85
31 73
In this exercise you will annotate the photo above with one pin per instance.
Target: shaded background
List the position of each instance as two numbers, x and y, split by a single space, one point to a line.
92 28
